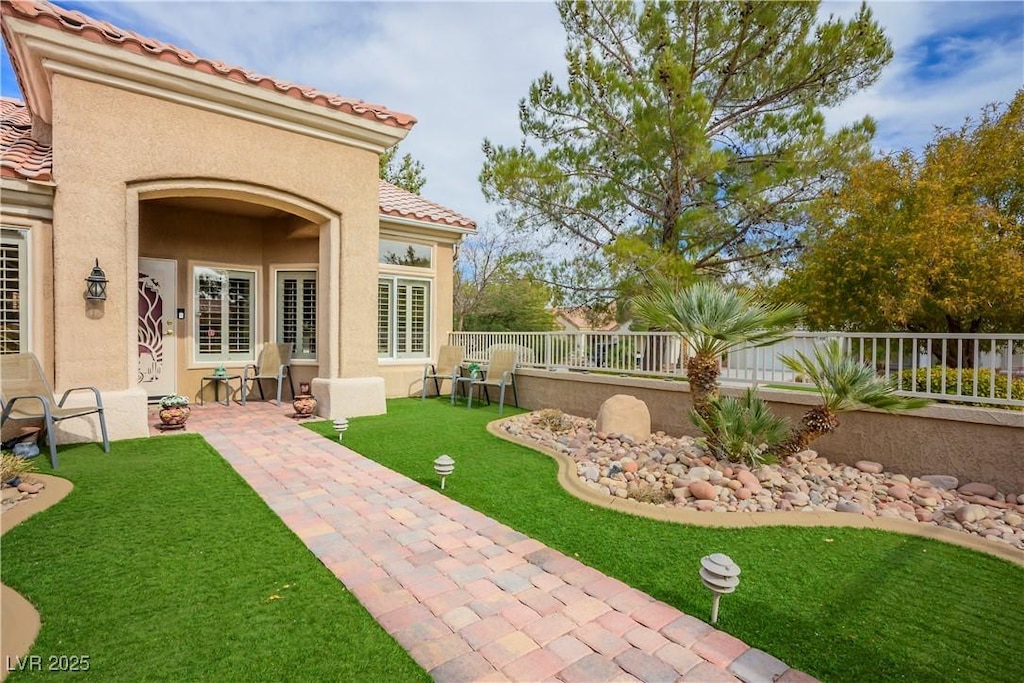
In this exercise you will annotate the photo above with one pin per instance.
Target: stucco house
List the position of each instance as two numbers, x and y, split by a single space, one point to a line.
227 209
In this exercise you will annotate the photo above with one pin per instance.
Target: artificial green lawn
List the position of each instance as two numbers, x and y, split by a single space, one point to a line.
840 604
162 564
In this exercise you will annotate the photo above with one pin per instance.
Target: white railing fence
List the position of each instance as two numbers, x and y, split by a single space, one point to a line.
634 353
985 369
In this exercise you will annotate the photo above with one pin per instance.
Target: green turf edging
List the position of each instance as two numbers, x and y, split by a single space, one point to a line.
842 604
163 564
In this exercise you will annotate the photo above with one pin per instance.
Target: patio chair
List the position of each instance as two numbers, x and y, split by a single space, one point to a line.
25 394
274 362
449 358
501 373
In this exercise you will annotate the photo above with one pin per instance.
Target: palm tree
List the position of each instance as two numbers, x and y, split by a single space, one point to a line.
714 320
844 384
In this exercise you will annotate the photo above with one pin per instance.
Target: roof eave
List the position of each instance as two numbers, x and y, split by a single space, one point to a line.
38 52
30 199
453 231
34 86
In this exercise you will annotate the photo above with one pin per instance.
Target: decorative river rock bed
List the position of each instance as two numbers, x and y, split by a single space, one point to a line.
25 490
675 472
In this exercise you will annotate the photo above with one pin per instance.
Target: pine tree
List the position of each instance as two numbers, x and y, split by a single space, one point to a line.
689 137
405 172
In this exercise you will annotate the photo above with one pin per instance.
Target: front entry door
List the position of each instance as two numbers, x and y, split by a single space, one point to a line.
158 285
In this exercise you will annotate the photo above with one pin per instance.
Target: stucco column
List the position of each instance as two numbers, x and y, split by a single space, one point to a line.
350 384
329 309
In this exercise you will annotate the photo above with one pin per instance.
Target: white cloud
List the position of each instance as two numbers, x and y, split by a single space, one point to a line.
948 64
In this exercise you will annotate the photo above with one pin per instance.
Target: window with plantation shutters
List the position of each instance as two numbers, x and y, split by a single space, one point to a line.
384 288
225 314
296 312
13 286
240 318
403 318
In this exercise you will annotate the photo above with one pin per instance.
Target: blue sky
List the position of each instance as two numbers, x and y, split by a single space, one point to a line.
462 67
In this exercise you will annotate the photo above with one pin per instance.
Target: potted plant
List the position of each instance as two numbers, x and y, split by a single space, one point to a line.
174 410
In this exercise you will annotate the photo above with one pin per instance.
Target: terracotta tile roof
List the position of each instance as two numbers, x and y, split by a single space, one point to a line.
50 15
394 201
23 157
20 155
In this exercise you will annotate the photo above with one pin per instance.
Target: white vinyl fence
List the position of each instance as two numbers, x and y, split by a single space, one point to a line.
964 368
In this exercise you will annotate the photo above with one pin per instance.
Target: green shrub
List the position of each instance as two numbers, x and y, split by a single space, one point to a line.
930 380
554 420
741 429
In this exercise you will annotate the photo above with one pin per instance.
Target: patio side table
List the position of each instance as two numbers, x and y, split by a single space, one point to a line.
463 386
217 380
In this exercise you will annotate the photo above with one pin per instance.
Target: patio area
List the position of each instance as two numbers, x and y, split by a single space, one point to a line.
467 597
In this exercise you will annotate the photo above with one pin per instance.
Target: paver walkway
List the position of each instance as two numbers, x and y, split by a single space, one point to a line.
469 598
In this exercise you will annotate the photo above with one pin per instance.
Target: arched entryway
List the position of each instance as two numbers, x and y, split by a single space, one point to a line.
224 267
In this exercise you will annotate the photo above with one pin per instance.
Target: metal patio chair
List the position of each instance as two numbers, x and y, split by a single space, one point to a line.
274 363
25 394
501 373
449 358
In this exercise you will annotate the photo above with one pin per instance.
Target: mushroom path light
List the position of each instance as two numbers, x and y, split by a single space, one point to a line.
341 424
721 575
444 466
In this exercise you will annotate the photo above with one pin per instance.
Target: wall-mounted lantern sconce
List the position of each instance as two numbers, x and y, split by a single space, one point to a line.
96 284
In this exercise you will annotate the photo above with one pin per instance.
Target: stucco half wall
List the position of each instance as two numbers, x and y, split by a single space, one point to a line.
972 444
349 397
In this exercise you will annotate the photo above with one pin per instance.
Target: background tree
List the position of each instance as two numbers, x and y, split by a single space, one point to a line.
689 137
930 244
405 172
494 291
512 305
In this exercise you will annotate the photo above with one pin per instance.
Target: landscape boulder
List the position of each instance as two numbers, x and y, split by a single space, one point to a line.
624 414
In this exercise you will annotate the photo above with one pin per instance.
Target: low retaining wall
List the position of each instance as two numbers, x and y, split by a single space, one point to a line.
972 444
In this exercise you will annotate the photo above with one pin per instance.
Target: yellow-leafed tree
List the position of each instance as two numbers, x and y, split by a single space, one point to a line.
924 244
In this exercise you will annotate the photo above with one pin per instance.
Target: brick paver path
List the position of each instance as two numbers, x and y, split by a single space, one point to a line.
469 598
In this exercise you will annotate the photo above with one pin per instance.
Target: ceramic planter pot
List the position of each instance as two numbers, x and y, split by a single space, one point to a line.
173 417
304 404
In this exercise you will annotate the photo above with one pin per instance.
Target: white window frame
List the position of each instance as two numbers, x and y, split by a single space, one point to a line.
275 314
392 273
202 361
19 237
393 354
